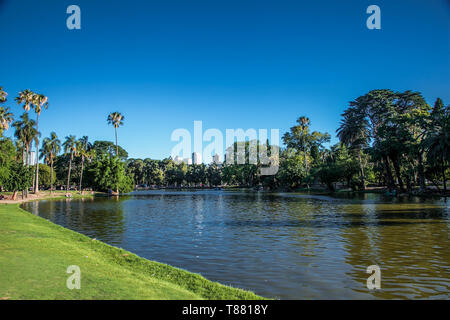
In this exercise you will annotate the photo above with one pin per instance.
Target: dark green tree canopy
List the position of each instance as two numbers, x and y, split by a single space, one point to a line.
108 147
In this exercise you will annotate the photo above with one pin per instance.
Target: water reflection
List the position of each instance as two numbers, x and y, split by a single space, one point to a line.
280 245
100 218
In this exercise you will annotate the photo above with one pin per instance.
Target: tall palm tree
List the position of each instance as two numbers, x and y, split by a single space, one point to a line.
25 131
6 118
37 101
116 119
50 149
83 149
70 147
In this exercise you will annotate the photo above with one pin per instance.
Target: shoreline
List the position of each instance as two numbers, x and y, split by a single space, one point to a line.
36 253
58 194
430 193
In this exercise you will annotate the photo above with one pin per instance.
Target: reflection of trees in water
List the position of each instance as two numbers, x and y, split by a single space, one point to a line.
101 218
411 252
306 235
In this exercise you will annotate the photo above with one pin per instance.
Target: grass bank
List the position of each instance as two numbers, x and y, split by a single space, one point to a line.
35 254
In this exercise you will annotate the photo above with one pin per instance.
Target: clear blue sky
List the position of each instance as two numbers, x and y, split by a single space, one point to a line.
232 64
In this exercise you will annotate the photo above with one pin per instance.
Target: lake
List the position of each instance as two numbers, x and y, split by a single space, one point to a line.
279 245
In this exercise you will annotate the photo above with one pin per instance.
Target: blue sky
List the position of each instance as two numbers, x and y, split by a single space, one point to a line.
232 64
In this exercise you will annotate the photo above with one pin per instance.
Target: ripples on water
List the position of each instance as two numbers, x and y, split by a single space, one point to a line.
283 245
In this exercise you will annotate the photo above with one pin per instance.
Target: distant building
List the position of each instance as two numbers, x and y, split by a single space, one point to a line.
196 158
177 160
216 159
32 158
187 160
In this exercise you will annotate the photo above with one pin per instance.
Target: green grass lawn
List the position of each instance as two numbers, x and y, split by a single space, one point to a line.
35 254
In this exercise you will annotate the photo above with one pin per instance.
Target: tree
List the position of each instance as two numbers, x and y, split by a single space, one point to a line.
302 141
45 175
109 174
391 126
6 118
25 97
354 133
135 169
437 141
3 95
293 170
50 148
20 178
70 147
299 137
116 119
37 101
108 147
7 158
84 150
26 133
214 175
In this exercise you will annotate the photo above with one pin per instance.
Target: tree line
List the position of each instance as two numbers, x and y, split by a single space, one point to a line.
386 138
99 165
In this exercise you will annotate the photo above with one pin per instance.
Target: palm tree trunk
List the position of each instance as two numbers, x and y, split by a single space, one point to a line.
81 175
27 160
51 176
68 174
117 146
34 182
117 155
36 188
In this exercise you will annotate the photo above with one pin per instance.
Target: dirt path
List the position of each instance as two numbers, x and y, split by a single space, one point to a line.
44 195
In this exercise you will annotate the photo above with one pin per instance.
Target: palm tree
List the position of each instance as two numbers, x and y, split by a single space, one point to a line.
3 95
50 149
70 146
116 119
25 97
83 149
20 154
354 133
25 132
37 101
6 118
